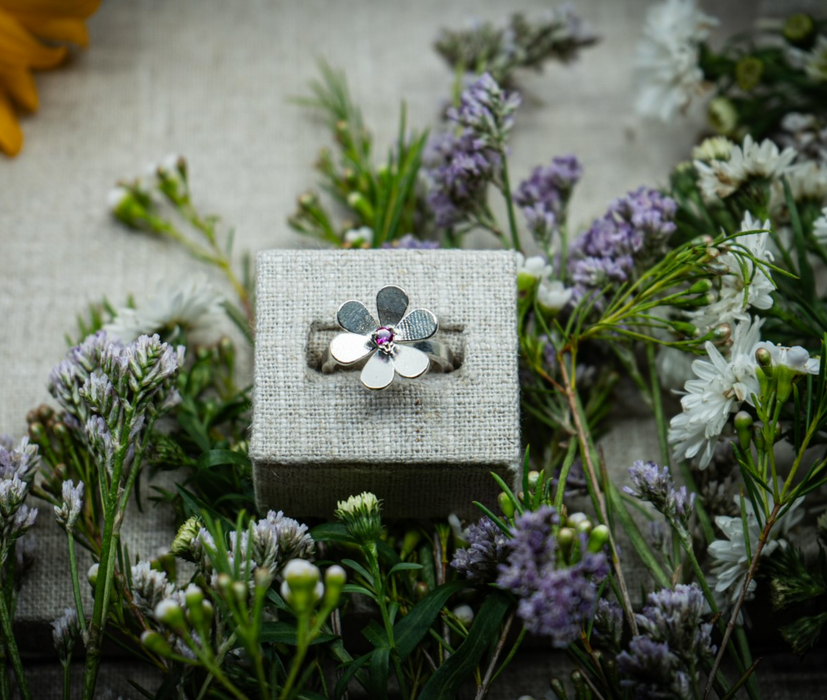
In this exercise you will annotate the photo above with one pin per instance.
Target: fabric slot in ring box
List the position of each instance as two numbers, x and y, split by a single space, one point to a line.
426 447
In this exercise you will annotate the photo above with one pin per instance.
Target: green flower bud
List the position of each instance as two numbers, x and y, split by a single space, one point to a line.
701 286
60 430
156 643
764 360
688 329
533 478
748 72
584 527
799 29
263 578
465 614
743 426
240 592
362 516
722 115
565 538
558 688
421 589
721 333
92 574
334 580
784 382
307 201
170 613
598 538
576 518
506 504
409 542
45 412
37 433
360 204
301 586
195 598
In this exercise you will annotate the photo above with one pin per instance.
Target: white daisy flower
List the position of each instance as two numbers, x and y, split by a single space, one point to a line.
807 181
720 178
730 562
820 227
667 57
359 237
720 388
732 304
194 307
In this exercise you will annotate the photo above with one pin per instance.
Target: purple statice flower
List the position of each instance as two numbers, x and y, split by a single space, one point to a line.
608 623
486 111
554 601
486 550
460 169
411 242
653 671
629 237
550 185
675 617
656 487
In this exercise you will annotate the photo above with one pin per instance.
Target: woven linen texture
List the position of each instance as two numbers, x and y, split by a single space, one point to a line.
424 446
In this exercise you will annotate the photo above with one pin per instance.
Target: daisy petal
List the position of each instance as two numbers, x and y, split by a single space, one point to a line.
378 372
392 303
353 316
420 324
348 348
410 362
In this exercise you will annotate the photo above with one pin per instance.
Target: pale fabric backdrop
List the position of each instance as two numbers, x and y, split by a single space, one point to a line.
212 79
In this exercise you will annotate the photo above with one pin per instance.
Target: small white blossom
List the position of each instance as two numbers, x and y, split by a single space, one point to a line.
553 295
730 562
465 614
720 388
808 181
667 57
68 511
713 148
359 237
149 587
720 178
193 306
535 266
741 273
116 196
796 359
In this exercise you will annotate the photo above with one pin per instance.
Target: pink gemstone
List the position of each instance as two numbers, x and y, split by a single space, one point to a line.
383 336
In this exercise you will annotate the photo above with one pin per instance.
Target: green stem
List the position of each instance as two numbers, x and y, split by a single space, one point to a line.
14 654
564 249
386 619
73 566
509 202
302 645
511 654
67 681
657 405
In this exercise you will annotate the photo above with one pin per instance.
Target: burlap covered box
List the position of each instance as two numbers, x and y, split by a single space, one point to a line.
425 446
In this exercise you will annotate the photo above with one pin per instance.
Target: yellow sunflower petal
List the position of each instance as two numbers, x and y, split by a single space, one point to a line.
51 8
11 136
19 48
18 84
63 29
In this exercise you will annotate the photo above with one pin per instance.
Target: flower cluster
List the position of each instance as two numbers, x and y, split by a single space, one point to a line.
545 195
461 166
656 487
18 466
68 512
673 639
555 600
362 516
479 561
633 232
667 57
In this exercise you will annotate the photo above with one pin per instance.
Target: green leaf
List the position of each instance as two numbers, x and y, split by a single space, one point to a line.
195 506
375 634
404 566
618 507
409 631
350 671
216 458
378 685
285 633
806 280
358 568
447 679
331 532
356 588
195 429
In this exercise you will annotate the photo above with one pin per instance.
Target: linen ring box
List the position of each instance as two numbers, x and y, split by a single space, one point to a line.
425 446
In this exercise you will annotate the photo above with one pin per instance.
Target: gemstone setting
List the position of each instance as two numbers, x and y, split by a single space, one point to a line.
383 338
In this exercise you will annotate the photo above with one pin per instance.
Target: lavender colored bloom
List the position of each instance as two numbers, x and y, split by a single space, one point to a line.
21 461
277 539
486 550
656 487
68 511
65 631
653 671
149 587
608 623
17 469
460 168
545 195
411 242
486 111
554 601
675 617
630 236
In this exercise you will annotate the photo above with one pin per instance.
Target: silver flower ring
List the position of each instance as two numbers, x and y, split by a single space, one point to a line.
396 344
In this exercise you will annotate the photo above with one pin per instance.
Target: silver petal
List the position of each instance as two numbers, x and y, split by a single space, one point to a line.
348 348
420 324
353 316
410 362
392 303
378 372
